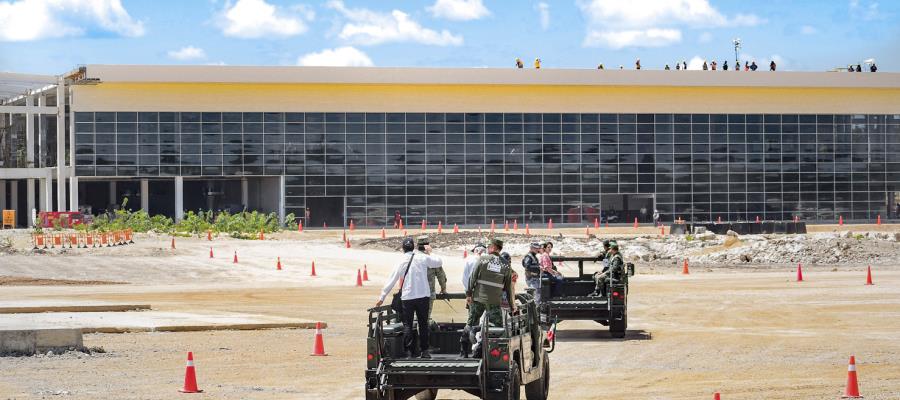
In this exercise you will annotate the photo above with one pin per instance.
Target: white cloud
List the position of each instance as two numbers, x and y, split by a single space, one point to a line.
459 10
367 27
705 37
633 38
652 23
253 19
695 63
26 20
544 13
187 53
866 10
808 30
340 57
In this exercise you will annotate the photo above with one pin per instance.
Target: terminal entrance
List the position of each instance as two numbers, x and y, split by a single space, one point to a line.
624 208
325 210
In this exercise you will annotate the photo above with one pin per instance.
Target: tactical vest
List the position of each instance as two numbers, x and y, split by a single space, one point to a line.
492 271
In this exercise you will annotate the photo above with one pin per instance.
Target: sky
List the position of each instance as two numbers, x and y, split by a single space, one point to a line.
55 36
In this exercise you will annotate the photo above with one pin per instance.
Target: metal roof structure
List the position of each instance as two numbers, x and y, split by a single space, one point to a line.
481 76
13 85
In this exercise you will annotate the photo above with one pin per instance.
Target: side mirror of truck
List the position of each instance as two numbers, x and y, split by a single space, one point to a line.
630 269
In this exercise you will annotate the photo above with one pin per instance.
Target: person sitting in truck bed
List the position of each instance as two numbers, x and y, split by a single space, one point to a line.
616 267
549 270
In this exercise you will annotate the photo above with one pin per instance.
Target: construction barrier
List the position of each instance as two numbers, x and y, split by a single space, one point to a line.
39 241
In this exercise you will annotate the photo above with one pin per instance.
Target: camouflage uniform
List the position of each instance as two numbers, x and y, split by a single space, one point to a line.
616 267
442 280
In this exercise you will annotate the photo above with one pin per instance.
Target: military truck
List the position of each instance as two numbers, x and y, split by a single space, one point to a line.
512 355
575 302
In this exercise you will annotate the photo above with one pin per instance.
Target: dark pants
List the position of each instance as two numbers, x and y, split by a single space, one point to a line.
555 284
419 309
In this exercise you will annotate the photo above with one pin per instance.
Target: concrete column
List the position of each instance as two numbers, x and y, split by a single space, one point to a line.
29 133
29 200
112 192
73 180
245 193
42 193
179 198
281 195
60 145
14 197
2 194
41 132
145 195
48 188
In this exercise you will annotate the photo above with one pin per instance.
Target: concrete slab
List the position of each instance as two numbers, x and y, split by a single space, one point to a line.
31 341
7 308
149 321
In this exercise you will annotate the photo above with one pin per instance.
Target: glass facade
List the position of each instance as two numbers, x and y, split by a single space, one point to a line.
474 167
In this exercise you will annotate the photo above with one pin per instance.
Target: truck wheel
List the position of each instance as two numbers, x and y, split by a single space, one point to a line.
540 389
511 392
427 394
617 328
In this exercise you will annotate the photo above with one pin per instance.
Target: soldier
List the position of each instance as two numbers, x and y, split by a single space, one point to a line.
491 279
438 273
533 270
615 268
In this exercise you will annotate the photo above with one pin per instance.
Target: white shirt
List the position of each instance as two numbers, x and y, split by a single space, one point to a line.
471 261
415 286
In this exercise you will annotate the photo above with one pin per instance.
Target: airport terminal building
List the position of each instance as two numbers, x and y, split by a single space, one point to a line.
462 146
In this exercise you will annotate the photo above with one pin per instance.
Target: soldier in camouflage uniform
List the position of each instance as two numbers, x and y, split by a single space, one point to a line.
615 267
432 274
491 278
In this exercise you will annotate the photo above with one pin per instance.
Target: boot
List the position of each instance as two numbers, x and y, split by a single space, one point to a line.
464 344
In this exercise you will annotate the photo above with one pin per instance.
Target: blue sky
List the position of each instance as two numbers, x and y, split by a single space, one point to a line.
53 36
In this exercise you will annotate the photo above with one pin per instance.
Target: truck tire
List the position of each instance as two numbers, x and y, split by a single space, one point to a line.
511 391
428 394
617 328
540 389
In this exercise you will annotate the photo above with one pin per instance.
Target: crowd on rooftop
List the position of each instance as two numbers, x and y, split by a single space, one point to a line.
749 66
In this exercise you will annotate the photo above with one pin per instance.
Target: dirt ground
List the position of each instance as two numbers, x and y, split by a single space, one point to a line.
748 332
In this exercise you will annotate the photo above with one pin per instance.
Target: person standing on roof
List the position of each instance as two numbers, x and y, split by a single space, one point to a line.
753 66
471 260
412 271
713 65
746 66
725 66
705 66
537 63
491 279
873 68
600 66
667 67
519 63
637 64
772 66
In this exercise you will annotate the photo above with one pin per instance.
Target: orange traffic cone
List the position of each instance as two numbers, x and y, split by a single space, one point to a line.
210 252
347 244
352 226
841 220
344 236
324 225
358 278
278 265
587 230
716 396
423 224
319 346
527 231
300 226
869 277
313 272
685 270
596 223
878 220
515 225
852 390
799 272
261 235
662 230
455 228
209 234
440 227
635 223
173 243
365 272
465 253
719 220
382 233
506 226
235 261
757 219
190 376
550 224
492 226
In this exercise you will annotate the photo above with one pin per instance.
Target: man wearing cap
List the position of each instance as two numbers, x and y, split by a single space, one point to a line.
433 273
533 270
616 267
471 260
490 280
414 292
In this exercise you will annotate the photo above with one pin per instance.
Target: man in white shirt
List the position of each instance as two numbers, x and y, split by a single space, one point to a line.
471 260
415 293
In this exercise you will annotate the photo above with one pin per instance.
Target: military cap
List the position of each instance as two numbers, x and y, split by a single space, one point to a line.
504 255
497 242
422 240
613 245
536 245
477 245
606 243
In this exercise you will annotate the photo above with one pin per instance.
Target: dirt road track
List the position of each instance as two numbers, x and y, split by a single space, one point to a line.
750 335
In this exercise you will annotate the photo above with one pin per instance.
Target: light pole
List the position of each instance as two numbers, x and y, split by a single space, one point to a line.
737 47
